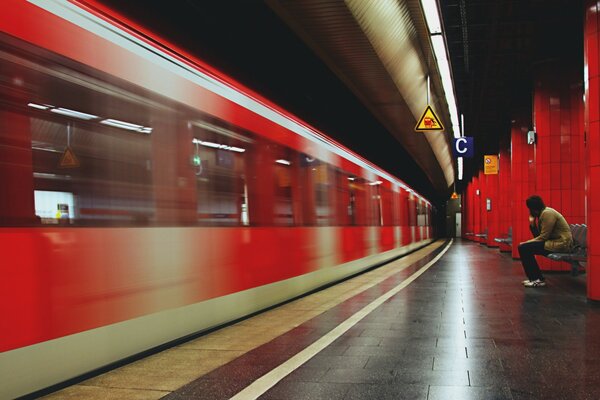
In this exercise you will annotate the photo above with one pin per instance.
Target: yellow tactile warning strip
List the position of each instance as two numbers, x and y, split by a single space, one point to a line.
158 375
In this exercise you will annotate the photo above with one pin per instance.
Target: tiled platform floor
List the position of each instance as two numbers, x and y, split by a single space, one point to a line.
465 329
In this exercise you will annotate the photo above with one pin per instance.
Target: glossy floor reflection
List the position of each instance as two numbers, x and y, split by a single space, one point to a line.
465 329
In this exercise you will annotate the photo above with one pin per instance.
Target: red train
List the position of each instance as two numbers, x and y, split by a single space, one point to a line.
146 197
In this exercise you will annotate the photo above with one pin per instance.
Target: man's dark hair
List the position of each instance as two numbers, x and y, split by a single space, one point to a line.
535 202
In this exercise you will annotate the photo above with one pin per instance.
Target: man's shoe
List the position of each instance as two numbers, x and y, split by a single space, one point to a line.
526 281
536 283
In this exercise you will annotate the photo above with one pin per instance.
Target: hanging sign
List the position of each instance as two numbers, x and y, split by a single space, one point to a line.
68 159
490 164
463 147
429 121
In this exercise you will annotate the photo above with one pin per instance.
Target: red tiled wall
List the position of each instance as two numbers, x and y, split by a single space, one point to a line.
476 213
504 198
522 184
558 122
483 192
493 214
592 126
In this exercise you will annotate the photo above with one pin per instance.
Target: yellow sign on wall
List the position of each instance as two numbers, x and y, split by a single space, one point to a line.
490 164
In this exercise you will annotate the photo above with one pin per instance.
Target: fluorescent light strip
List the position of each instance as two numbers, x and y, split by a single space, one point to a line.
72 113
122 124
460 168
218 146
284 162
38 106
432 16
439 48
90 22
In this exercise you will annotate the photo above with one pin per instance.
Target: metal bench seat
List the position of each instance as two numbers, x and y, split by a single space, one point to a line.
482 234
579 253
506 240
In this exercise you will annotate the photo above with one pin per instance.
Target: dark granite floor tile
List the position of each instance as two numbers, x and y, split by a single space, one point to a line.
337 375
306 391
357 341
335 350
430 377
387 392
469 393
326 362
371 351
468 343
399 362
470 364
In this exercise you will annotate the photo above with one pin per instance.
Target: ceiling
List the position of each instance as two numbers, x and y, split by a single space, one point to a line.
495 47
332 63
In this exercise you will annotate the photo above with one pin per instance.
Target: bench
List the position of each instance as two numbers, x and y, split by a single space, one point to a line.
506 240
579 253
482 235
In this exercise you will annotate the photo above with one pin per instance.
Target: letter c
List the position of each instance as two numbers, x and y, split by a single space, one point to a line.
460 150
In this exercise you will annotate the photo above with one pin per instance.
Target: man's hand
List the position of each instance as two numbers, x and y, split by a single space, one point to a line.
531 220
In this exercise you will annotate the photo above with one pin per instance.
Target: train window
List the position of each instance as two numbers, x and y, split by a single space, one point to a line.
412 210
324 194
421 213
219 161
359 205
375 210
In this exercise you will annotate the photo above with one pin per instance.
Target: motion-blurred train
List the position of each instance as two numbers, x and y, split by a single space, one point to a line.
145 197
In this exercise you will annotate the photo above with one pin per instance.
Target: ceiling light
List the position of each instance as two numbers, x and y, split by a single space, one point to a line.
38 106
439 49
122 124
432 16
284 162
218 146
72 113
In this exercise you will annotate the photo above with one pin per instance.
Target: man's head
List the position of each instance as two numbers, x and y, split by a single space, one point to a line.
535 205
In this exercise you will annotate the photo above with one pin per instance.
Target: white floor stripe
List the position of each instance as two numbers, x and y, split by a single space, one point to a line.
267 381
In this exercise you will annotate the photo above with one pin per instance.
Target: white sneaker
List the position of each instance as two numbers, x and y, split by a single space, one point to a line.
526 281
536 283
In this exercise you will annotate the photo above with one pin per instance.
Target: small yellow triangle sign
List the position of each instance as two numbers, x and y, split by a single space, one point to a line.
68 159
429 121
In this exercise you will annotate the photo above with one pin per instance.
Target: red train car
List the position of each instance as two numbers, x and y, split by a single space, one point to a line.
146 197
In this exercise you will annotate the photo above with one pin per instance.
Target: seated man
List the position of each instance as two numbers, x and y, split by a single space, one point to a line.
551 234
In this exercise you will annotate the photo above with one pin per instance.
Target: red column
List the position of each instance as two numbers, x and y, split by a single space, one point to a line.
523 183
483 193
466 203
475 208
504 198
494 212
592 126
558 122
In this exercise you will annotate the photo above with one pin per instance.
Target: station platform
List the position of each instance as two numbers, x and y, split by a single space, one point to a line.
449 321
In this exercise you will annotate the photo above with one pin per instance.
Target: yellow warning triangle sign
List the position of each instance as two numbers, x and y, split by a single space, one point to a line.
429 121
68 159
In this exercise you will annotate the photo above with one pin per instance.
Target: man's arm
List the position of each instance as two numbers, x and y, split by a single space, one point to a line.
547 223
